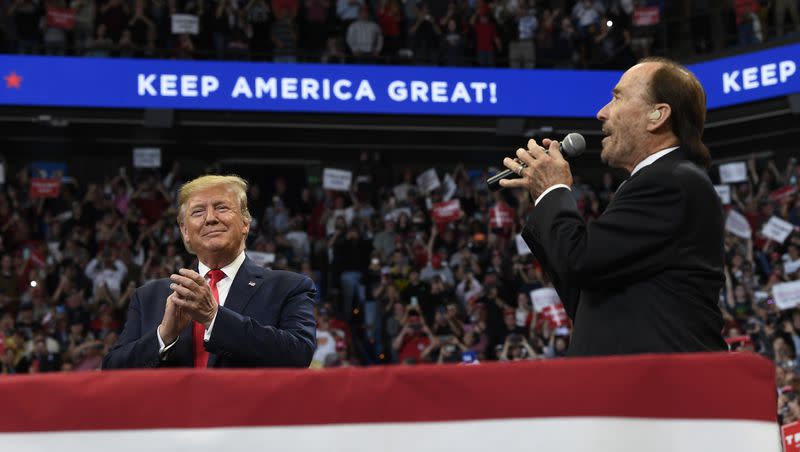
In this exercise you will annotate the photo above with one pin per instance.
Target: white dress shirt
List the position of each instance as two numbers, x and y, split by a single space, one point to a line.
647 161
652 158
223 287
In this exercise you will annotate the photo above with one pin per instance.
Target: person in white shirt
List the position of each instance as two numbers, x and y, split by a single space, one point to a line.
364 37
522 51
106 270
791 260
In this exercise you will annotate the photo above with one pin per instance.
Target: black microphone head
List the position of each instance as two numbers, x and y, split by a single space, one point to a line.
573 145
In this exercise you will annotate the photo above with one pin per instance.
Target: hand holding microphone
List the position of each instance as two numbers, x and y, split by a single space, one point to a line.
537 168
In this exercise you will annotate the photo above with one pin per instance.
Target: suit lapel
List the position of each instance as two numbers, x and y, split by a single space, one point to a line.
246 283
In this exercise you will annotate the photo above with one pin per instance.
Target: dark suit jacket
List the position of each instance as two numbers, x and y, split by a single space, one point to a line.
267 324
646 275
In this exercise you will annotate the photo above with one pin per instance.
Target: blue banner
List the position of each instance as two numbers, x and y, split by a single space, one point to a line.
750 77
203 85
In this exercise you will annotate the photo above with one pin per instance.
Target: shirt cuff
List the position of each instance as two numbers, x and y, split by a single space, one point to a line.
207 335
549 189
161 347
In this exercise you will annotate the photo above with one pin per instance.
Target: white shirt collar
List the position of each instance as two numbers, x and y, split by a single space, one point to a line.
652 158
230 270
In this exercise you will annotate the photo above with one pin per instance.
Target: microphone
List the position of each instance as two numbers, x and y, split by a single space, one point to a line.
571 146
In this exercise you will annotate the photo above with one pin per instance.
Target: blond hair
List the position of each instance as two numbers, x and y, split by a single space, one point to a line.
231 182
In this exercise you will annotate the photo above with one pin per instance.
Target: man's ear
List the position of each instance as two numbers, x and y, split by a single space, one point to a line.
658 117
245 227
184 230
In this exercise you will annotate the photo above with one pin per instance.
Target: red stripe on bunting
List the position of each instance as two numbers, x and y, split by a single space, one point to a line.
698 386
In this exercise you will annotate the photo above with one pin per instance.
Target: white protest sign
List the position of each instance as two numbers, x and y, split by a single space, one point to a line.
777 229
147 157
522 247
260 258
336 179
724 193
449 187
786 295
737 225
544 297
428 181
733 172
185 24
401 191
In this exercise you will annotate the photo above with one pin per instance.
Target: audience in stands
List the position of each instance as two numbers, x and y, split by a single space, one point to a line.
506 33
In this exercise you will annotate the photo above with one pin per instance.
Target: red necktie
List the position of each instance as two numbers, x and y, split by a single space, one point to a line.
200 353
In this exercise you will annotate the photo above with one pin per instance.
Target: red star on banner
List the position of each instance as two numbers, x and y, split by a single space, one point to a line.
13 80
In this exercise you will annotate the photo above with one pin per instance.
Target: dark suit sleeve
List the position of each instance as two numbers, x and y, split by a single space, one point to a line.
629 242
134 348
569 295
290 344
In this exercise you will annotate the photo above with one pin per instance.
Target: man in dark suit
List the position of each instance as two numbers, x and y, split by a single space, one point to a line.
646 275
228 312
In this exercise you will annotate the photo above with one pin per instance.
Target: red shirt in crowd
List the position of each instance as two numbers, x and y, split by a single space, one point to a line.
389 20
413 347
287 5
485 34
743 8
152 208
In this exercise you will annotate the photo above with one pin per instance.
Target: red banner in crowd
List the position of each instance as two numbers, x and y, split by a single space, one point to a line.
644 16
783 193
791 437
501 216
556 315
63 18
446 212
45 188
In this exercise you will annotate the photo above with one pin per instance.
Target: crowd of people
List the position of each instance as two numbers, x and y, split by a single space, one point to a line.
514 33
424 269
755 265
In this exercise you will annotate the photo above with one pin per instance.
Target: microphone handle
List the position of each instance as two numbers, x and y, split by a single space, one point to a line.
494 181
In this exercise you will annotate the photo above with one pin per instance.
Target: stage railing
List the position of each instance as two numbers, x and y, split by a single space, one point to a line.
686 403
